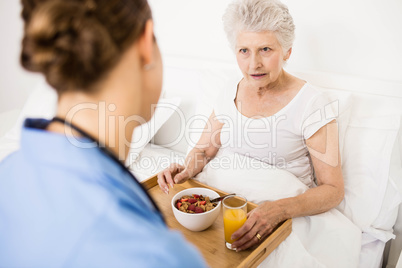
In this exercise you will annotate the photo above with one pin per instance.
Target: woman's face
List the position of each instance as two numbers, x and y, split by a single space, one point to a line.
260 57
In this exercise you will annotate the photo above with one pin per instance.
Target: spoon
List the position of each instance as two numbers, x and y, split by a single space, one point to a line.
220 198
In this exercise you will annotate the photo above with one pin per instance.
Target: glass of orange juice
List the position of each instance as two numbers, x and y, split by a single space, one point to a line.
234 216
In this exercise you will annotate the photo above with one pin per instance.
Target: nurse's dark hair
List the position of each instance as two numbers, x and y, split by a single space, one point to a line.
74 43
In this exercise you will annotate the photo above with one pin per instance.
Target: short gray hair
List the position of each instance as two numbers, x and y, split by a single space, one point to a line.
259 16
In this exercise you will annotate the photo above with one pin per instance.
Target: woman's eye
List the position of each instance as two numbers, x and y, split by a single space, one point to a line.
243 50
265 49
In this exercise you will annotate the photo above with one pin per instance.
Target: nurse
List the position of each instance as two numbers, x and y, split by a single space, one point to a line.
66 199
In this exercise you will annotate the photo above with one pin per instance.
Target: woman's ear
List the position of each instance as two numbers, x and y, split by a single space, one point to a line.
146 43
287 56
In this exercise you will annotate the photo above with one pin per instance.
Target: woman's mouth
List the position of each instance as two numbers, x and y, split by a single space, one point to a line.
258 76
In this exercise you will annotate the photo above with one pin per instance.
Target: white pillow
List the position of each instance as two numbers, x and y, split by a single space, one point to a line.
42 102
240 174
7 120
153 159
183 82
213 83
386 219
7 144
367 155
145 132
183 129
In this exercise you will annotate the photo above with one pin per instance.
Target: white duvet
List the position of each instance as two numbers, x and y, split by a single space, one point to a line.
324 240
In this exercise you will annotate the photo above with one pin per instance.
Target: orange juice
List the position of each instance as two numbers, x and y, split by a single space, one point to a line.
233 219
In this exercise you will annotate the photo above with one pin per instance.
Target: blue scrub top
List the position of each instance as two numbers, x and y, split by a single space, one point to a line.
65 206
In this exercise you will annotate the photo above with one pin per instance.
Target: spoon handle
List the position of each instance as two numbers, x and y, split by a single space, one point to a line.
220 198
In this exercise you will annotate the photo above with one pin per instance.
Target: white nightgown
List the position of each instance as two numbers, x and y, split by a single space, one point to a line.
279 139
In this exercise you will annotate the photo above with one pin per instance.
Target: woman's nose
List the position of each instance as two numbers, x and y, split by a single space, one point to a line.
255 62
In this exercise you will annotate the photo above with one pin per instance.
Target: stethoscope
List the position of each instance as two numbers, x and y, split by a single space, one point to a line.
111 156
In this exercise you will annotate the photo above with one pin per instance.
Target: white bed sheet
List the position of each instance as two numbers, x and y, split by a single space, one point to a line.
153 159
328 239
371 254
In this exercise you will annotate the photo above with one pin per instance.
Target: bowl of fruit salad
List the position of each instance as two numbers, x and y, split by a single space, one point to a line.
193 209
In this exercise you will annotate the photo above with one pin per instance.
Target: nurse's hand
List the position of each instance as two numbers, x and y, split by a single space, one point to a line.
176 173
262 220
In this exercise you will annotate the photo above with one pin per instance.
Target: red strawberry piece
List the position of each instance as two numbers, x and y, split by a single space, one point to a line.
179 204
203 202
184 200
198 210
196 196
192 200
191 207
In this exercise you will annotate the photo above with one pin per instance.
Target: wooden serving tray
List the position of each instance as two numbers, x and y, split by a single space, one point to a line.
211 242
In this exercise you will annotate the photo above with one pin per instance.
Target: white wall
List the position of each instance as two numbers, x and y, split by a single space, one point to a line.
15 83
357 37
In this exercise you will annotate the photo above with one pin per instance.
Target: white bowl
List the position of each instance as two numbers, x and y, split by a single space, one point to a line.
198 221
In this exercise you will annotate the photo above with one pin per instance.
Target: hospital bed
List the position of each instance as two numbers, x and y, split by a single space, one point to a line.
369 117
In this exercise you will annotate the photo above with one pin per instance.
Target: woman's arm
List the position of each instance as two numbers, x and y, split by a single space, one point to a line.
206 149
324 151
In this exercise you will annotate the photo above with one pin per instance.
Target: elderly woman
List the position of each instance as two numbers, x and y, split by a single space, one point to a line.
66 198
261 34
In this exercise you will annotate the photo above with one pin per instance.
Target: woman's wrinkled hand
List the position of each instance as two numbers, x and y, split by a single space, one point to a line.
261 220
175 173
